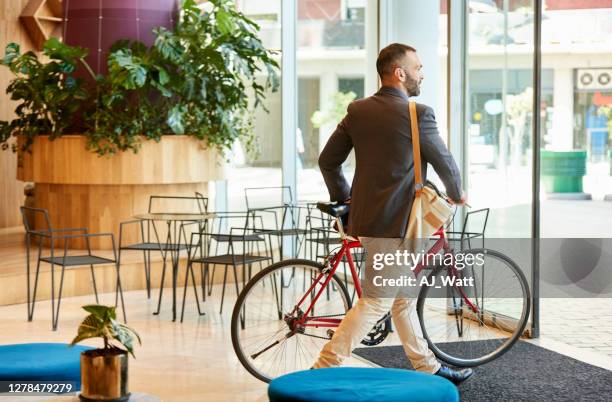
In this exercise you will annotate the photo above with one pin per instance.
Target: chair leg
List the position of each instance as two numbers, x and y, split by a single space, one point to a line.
27 239
223 291
33 302
53 297
93 279
205 283
119 291
236 279
59 300
161 288
147 268
211 280
195 291
203 275
118 263
189 266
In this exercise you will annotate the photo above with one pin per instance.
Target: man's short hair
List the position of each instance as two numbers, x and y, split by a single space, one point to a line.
390 56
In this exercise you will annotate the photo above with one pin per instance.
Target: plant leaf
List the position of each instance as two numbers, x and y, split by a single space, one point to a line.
10 53
101 312
55 49
223 21
91 327
175 119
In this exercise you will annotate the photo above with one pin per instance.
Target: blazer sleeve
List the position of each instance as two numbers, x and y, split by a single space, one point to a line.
333 155
435 152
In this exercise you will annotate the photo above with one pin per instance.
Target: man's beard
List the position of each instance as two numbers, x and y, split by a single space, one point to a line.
412 87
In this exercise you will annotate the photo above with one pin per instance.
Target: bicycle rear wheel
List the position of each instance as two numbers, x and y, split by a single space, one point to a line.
264 336
480 315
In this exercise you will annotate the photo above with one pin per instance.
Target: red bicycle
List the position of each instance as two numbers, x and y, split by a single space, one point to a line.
287 312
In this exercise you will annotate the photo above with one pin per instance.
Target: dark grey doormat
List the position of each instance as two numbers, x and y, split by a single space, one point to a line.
525 373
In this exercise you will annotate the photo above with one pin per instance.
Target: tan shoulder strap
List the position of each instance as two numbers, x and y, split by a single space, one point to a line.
416 150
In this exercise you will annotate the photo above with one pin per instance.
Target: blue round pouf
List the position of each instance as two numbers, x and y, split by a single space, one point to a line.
41 362
358 384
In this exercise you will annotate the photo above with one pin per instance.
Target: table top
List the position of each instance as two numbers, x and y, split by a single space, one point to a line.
175 217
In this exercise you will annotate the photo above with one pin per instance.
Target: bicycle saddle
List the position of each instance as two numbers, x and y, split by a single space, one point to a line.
333 208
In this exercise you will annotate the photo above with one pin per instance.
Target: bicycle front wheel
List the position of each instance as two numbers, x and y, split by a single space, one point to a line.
473 315
265 336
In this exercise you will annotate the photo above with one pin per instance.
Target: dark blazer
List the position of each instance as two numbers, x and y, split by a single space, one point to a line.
378 127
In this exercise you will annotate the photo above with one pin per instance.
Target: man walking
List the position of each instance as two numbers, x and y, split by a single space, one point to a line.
378 128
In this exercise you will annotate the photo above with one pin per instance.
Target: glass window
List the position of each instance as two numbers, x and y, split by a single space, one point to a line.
262 167
499 114
331 63
354 85
579 117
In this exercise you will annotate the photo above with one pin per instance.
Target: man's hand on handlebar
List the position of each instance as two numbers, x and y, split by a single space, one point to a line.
462 200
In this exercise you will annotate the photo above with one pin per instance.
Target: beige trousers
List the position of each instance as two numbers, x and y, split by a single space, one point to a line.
369 309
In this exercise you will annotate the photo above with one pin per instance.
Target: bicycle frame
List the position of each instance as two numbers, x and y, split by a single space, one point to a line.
348 244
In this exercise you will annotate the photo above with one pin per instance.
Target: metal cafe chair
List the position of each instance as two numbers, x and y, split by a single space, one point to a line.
32 218
221 239
149 236
282 217
322 238
472 230
241 249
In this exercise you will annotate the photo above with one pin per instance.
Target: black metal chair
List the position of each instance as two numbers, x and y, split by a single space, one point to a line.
322 238
150 239
282 217
472 230
240 251
47 232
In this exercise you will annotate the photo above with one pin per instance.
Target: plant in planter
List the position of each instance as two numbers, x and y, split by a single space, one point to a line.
204 78
194 90
48 93
104 372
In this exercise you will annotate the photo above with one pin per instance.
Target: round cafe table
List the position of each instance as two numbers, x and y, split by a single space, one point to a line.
175 224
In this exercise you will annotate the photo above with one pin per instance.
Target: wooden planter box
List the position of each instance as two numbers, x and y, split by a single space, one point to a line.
81 189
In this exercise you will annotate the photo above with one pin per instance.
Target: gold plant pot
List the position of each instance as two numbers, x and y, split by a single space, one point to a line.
104 376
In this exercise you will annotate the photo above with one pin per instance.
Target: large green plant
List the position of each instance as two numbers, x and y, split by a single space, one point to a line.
102 323
48 93
204 78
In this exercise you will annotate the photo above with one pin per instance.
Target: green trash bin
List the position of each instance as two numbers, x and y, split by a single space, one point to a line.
562 171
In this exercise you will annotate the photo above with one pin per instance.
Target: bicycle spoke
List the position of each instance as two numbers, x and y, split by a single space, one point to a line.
468 325
270 346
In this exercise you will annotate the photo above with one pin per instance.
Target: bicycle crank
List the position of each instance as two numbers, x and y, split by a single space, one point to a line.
379 332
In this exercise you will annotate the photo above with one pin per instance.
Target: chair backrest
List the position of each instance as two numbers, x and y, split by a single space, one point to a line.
474 227
476 221
32 216
171 204
265 197
224 222
203 201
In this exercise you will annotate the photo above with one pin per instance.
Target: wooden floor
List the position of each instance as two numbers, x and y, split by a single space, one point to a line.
192 361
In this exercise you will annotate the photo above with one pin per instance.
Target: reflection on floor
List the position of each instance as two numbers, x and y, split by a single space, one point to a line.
194 361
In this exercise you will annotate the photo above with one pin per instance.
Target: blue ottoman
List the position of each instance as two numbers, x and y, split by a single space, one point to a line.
41 362
356 384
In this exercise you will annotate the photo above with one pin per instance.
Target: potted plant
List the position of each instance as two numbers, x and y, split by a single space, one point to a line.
193 92
104 372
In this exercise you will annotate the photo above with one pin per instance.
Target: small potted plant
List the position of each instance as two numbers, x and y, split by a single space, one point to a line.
104 372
